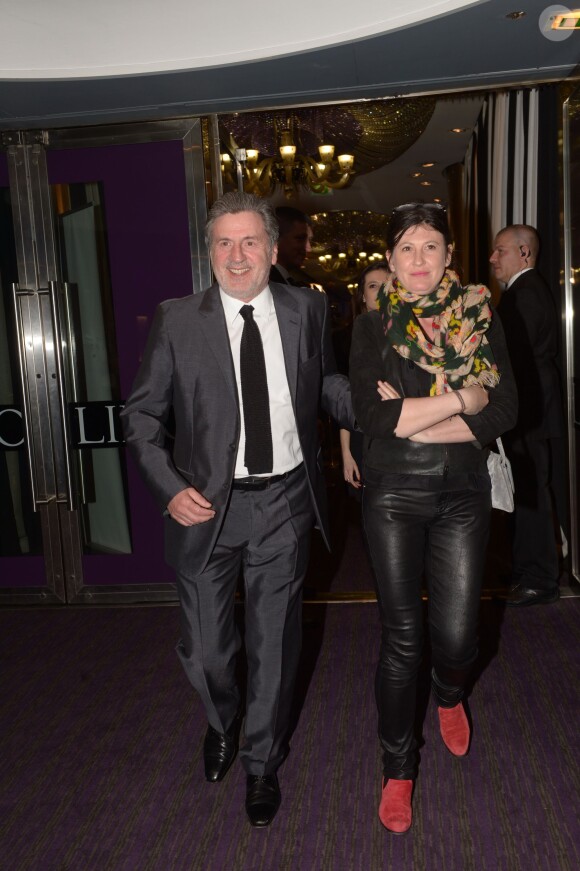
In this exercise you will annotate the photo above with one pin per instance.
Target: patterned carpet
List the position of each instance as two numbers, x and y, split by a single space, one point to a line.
101 762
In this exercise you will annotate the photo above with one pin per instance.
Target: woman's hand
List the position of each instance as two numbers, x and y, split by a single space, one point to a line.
475 399
385 391
350 470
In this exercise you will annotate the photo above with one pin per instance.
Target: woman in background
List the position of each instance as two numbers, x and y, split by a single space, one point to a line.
369 284
431 387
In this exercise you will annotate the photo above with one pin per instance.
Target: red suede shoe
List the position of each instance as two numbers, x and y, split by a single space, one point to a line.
455 729
395 811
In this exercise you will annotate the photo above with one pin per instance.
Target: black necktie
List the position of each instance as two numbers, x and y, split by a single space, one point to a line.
258 456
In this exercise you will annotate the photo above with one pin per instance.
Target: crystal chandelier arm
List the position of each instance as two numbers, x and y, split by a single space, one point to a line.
259 178
342 181
319 178
312 169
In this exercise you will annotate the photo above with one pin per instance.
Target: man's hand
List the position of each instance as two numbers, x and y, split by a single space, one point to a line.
188 507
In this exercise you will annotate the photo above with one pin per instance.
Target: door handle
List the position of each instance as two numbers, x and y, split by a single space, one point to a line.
26 412
61 387
47 428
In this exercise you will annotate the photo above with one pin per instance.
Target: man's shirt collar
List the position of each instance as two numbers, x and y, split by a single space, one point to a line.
263 304
517 275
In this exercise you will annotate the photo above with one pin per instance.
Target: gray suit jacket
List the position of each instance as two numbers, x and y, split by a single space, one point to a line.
188 368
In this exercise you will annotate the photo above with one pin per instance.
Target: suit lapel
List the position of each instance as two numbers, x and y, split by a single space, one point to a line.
290 324
213 325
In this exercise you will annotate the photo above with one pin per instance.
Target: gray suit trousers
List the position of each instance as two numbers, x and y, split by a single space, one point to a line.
266 533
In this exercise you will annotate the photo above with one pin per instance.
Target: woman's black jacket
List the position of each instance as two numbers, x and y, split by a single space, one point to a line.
373 359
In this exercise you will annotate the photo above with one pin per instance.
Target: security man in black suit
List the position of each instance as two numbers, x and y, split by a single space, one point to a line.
529 319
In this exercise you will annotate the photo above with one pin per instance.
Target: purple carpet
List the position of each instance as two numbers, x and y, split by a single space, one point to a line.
101 752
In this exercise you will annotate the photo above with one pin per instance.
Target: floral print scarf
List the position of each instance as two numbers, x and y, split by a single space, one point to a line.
459 354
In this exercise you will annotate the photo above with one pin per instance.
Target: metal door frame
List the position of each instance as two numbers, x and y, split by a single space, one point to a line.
573 414
37 270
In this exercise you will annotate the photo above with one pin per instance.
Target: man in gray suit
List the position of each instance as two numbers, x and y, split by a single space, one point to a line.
529 319
234 498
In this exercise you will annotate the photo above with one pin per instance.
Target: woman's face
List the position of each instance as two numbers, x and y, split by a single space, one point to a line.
420 258
371 287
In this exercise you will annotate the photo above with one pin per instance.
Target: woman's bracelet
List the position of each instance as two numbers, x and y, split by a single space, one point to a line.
461 400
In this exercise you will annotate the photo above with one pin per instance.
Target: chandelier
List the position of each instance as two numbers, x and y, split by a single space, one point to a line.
295 149
347 241
288 168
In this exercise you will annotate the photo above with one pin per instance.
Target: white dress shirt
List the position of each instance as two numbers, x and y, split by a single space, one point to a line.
287 450
517 275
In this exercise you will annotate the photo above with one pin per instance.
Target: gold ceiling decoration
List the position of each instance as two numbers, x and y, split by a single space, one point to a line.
347 241
281 149
274 148
389 128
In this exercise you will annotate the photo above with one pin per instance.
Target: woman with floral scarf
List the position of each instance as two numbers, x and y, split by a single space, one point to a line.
432 387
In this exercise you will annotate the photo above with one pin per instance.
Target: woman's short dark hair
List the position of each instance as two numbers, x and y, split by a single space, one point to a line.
412 214
359 296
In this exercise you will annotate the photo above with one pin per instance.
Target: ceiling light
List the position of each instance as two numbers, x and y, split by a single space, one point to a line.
347 241
416 175
428 165
426 184
360 138
289 168
458 130
567 20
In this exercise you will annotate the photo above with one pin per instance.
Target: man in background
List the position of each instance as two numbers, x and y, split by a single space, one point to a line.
294 243
528 315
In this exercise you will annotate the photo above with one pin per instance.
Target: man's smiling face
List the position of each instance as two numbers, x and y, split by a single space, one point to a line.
241 254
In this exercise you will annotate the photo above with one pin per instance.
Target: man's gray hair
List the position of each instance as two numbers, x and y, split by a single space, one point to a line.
238 201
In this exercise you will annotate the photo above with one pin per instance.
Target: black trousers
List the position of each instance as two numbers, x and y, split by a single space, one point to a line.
266 534
535 562
442 537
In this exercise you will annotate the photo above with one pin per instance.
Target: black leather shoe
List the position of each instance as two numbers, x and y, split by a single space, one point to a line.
262 798
519 596
219 750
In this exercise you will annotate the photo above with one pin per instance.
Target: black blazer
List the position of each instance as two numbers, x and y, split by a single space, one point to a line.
528 314
276 275
373 358
188 368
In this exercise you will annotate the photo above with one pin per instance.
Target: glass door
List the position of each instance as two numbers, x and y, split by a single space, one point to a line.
21 562
116 226
572 310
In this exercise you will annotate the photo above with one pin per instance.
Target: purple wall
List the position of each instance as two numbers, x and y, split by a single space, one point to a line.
145 208
149 257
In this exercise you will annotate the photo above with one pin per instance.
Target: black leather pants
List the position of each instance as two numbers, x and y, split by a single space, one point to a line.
442 537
